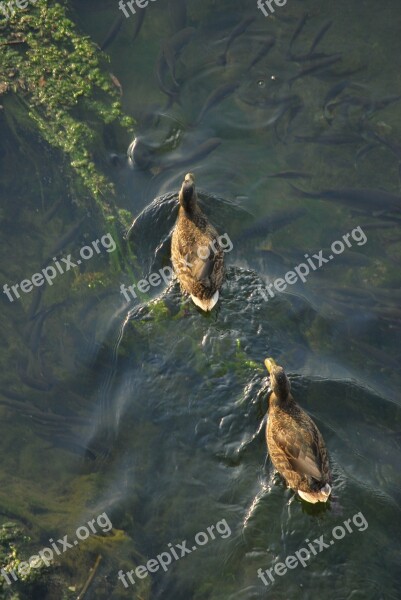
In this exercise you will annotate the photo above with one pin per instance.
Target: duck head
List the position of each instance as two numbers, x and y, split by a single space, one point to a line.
279 382
187 194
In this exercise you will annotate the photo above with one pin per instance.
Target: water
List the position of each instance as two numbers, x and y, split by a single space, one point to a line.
150 411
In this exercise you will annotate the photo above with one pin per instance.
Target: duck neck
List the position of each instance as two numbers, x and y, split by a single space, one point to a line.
281 399
190 211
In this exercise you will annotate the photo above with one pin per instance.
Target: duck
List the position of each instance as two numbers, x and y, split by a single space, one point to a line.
295 444
196 254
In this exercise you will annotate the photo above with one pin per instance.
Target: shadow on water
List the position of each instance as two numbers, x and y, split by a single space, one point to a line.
152 411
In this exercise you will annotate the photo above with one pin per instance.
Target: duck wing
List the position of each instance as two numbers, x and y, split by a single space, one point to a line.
201 269
303 450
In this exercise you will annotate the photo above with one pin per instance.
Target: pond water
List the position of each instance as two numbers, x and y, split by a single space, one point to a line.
150 411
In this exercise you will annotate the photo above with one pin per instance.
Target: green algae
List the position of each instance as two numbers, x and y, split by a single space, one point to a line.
55 83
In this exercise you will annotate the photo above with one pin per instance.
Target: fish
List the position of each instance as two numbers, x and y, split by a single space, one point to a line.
332 94
236 32
365 150
173 47
33 307
363 198
139 18
330 138
113 32
323 64
381 358
51 211
289 175
161 68
265 48
71 444
198 154
217 96
29 410
297 32
311 54
39 319
271 223
320 36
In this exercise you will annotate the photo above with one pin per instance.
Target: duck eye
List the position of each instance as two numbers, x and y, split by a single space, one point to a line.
261 83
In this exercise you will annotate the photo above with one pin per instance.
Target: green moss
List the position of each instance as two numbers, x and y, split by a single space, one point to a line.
58 86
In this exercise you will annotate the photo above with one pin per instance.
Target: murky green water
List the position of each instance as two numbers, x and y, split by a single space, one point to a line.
150 411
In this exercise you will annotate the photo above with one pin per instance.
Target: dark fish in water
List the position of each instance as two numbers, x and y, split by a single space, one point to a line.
266 47
290 175
368 104
236 32
365 199
349 258
161 69
112 34
320 36
311 54
139 18
365 150
216 97
271 102
33 308
70 444
377 355
323 64
36 331
333 93
173 47
272 223
395 147
178 14
28 409
331 138
36 384
297 31
52 210
198 154
384 102
378 225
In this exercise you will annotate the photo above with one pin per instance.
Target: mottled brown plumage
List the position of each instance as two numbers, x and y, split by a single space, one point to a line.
296 446
196 254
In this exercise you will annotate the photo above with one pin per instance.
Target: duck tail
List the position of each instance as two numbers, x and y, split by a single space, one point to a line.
321 495
208 303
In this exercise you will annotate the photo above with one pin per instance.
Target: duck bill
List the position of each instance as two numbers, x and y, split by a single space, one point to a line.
269 363
189 178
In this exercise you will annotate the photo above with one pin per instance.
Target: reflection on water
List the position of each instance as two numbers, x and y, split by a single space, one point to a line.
151 411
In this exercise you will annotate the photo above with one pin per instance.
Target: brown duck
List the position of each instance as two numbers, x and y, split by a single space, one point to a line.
196 254
295 444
